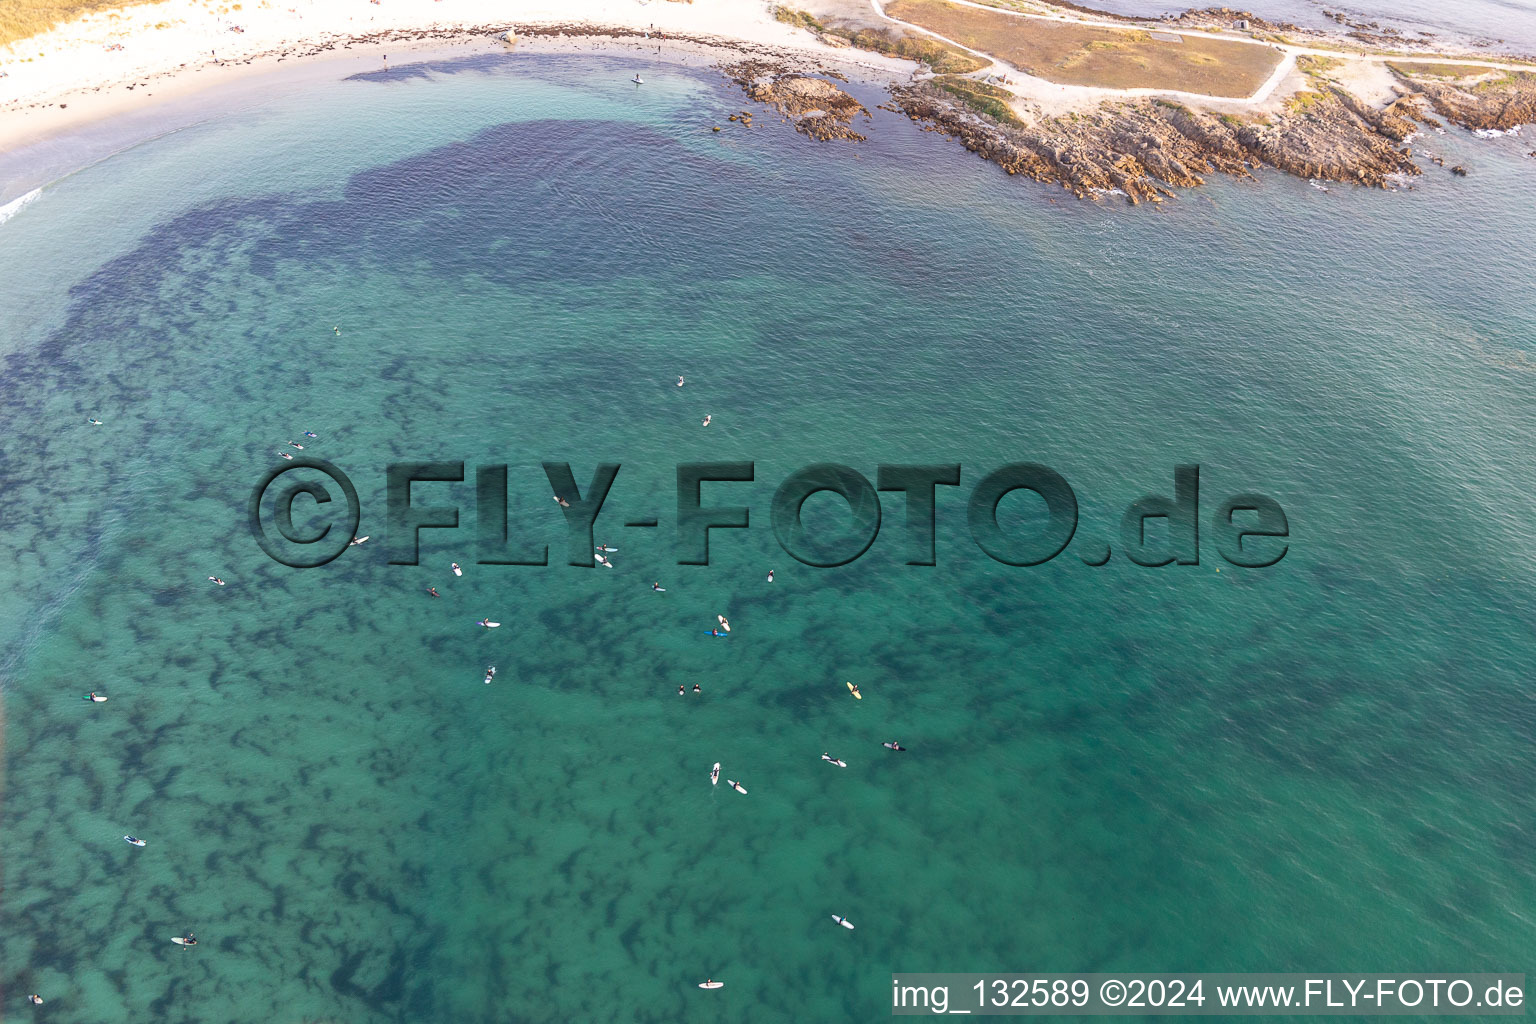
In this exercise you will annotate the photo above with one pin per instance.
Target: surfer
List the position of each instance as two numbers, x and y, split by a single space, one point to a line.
355 541
716 632
833 760
286 456
770 575
490 674
35 999
723 623
433 592
134 841
189 939
310 433
696 688
679 689
707 418
215 579
853 688
658 588
456 570
679 380
337 330
95 698
562 501
714 774
893 745
296 444
604 562
93 421
637 80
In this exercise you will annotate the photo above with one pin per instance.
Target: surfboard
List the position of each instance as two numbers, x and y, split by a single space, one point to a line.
131 841
605 551
723 624
835 760
842 921
855 691
179 940
488 624
714 774
738 787
95 698
712 632
711 984
456 570
359 540
892 746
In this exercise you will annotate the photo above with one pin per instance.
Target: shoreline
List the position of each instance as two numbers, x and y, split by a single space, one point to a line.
1320 114
71 88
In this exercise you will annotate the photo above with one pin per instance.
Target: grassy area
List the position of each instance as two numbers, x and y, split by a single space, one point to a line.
941 57
979 96
1439 70
1073 54
22 19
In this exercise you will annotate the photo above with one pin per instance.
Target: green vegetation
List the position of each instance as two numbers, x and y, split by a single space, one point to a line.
941 57
1097 55
1303 101
1439 70
23 19
980 97
799 19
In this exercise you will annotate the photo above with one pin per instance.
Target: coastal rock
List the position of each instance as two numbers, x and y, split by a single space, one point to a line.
817 108
1144 149
1499 104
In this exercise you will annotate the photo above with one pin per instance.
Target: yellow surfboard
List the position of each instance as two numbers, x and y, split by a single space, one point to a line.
855 691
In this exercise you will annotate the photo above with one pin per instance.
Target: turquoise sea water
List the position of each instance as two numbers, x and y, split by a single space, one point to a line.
1324 766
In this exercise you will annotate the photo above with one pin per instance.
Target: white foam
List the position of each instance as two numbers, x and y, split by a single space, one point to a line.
1494 133
13 207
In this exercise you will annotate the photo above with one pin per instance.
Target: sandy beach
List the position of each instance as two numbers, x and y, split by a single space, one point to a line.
110 63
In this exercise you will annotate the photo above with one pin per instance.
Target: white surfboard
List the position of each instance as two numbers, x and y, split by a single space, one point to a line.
97 698
738 787
724 624
711 984
488 624
843 921
179 940
714 774
834 760
359 540
134 841
456 570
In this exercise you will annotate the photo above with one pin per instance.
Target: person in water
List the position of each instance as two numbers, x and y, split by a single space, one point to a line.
189 940
35 999
696 688
679 689
433 592
658 587
770 575
716 632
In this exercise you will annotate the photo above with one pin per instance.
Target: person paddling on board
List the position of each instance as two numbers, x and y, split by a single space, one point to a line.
893 745
188 940
433 592
658 588
696 688
310 433
770 575
679 689
35 999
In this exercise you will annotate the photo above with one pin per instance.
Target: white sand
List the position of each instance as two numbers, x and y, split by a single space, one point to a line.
68 76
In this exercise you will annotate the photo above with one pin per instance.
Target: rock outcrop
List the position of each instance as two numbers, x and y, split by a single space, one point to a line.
1144 149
